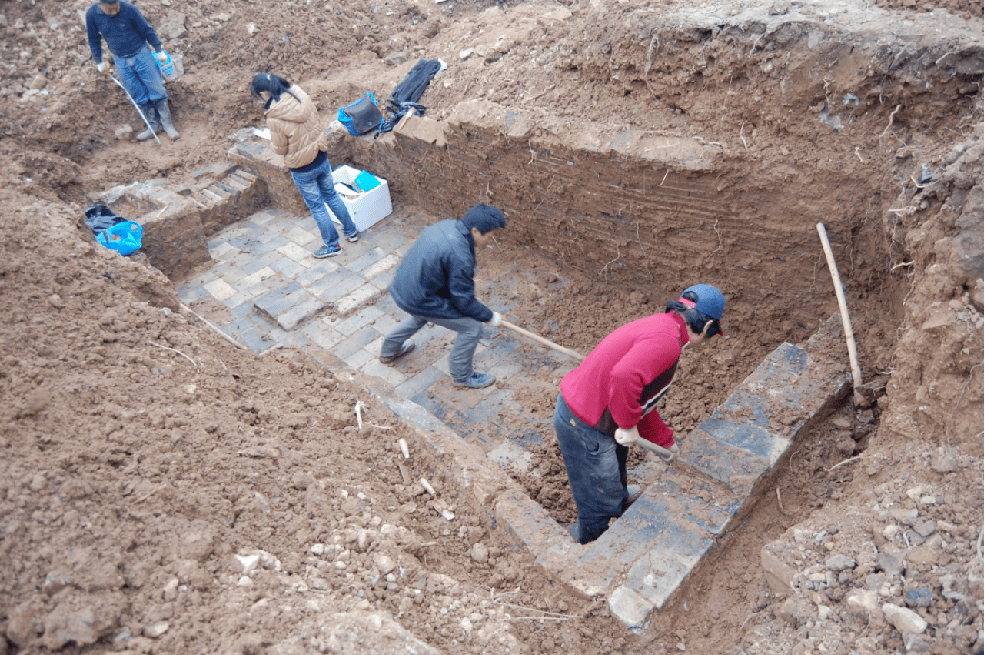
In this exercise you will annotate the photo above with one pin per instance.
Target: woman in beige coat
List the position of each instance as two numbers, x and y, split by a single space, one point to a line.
296 133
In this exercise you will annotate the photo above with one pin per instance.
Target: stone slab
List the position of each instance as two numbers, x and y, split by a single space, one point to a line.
720 461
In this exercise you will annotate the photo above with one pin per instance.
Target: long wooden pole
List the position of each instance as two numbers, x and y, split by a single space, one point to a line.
541 340
843 306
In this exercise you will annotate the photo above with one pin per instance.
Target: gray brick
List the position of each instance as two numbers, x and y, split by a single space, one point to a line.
630 608
420 382
732 466
314 274
388 374
307 307
228 272
277 301
260 262
354 342
190 294
331 289
320 334
288 267
270 241
367 260
237 300
362 318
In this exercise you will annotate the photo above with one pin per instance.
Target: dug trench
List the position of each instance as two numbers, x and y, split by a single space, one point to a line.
133 478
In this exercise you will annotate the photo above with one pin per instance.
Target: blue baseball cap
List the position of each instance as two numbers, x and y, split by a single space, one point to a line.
710 300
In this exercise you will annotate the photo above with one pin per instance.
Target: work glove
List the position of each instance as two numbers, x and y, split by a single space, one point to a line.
102 66
161 56
626 437
496 320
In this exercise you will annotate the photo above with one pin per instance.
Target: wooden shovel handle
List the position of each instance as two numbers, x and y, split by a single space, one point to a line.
541 340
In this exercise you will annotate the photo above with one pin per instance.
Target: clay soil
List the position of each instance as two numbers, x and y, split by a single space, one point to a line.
162 491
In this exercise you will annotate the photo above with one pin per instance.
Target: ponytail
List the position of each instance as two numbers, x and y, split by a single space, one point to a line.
275 85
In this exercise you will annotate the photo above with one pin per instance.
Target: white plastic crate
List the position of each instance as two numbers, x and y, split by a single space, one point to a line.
366 209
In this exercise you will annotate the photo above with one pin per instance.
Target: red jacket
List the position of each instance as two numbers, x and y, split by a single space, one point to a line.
620 381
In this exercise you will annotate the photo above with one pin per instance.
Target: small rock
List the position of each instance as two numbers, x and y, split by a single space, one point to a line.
384 563
925 528
480 553
796 611
866 600
905 620
905 516
944 463
891 563
919 598
917 643
840 563
395 58
155 629
248 562
123 131
779 8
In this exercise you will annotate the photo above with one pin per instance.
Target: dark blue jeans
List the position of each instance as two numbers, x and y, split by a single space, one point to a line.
596 470
318 189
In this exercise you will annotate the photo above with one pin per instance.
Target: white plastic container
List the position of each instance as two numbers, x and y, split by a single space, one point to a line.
366 209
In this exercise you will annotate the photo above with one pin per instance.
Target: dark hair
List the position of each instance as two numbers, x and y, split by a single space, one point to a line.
275 85
484 218
694 318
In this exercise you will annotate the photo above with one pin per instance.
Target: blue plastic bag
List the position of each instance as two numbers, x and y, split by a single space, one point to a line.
362 116
125 238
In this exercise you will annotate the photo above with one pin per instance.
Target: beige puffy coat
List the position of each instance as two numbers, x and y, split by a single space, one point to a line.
295 128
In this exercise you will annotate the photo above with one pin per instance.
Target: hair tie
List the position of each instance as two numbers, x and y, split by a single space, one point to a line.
689 303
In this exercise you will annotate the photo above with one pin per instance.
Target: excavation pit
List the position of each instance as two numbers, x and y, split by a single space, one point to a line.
620 220
266 292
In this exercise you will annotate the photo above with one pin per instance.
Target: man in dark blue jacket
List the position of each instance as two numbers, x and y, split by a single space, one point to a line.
128 34
435 284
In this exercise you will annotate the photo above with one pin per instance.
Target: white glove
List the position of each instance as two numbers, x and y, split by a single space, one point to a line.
496 320
102 66
161 56
626 437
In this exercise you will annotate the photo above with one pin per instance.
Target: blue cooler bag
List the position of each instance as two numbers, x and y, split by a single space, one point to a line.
361 116
125 238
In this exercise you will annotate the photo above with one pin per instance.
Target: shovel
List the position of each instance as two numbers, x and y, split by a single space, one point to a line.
541 340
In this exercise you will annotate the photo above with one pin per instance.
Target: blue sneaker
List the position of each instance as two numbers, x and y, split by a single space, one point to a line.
476 381
327 251
352 238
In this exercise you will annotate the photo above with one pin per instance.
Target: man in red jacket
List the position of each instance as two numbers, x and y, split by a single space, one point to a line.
609 401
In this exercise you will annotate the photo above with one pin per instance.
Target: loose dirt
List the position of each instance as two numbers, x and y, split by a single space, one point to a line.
163 491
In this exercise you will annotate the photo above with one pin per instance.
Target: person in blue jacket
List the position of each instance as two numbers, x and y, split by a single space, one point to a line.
435 283
128 34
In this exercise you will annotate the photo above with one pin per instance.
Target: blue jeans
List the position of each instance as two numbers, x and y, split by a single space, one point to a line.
141 76
459 360
596 470
318 189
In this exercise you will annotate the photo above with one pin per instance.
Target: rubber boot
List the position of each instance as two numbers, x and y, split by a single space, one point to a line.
150 113
165 115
